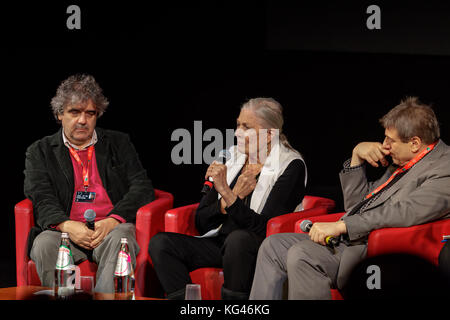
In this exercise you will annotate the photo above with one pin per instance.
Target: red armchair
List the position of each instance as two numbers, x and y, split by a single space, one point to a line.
181 220
421 240
149 221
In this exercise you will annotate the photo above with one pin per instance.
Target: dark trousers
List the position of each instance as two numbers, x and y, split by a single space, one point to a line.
444 261
174 255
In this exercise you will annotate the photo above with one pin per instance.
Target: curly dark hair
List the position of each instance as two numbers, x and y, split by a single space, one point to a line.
78 89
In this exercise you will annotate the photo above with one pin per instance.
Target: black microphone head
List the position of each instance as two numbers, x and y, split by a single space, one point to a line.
224 156
306 225
89 215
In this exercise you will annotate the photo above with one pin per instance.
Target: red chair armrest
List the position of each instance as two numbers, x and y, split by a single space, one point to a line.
23 212
421 240
310 202
182 220
150 218
324 218
149 221
286 222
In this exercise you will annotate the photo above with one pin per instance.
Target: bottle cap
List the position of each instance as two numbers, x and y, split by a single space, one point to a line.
64 235
123 240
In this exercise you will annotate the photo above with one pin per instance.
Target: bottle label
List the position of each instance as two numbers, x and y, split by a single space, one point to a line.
63 262
123 263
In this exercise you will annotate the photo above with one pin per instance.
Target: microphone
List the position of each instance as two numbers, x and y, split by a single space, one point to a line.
306 225
223 157
89 216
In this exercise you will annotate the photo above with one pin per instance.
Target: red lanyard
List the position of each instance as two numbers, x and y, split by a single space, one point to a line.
85 168
406 167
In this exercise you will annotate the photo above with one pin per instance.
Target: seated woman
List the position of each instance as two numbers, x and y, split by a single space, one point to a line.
264 178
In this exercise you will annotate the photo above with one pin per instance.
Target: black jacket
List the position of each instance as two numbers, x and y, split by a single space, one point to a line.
49 181
285 195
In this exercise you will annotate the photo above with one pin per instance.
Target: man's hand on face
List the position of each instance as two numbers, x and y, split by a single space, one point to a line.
372 152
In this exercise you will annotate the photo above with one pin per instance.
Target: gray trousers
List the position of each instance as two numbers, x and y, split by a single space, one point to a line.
310 268
45 252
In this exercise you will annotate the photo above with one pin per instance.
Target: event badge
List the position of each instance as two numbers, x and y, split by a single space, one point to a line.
85 196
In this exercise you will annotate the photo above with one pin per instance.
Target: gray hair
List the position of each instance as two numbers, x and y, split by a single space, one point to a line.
78 89
413 118
270 112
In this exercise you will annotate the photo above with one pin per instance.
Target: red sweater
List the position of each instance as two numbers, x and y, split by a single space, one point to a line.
102 204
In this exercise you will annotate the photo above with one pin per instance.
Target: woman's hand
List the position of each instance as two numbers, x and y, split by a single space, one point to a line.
245 184
218 172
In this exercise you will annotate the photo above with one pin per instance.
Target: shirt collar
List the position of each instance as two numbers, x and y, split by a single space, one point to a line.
67 143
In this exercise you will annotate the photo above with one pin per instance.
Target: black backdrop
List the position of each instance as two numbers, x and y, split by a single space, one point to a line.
164 66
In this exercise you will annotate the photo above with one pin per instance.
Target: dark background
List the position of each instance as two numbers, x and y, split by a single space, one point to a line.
165 65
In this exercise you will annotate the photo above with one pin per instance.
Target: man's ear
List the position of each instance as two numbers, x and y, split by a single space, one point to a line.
415 144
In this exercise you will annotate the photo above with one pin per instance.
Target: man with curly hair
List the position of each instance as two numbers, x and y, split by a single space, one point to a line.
78 168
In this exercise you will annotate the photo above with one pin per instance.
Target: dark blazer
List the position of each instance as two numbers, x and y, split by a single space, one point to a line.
49 181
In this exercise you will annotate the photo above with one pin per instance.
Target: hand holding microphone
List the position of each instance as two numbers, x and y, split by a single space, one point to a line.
77 230
217 171
325 233
104 227
216 175
89 216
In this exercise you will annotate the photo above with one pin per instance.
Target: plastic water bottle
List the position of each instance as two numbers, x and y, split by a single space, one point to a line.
124 274
64 270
